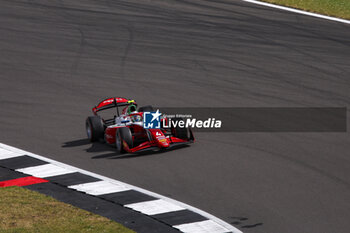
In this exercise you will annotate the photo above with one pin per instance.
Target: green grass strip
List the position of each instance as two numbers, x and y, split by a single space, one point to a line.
26 211
335 8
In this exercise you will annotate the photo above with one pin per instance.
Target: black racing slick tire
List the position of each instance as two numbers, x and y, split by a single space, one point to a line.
147 108
179 132
94 128
123 134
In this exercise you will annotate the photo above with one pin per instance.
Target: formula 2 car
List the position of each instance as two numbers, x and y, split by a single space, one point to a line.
126 131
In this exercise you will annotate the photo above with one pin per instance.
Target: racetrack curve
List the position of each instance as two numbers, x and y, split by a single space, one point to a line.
59 58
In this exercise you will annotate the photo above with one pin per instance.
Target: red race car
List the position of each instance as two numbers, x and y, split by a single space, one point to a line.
126 129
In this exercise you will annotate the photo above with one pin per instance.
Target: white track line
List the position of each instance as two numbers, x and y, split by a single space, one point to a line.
99 188
225 225
206 226
298 11
154 207
46 170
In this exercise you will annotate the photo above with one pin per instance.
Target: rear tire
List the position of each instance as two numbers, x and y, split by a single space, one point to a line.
94 128
147 108
123 133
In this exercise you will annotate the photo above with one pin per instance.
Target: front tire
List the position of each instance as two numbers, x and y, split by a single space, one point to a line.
123 134
94 128
179 132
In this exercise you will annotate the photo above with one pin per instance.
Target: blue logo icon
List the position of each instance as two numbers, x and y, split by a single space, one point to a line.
151 120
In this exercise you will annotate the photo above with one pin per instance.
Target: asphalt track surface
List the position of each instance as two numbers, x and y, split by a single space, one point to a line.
59 58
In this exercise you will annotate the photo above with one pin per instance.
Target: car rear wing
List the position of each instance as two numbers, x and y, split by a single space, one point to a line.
113 102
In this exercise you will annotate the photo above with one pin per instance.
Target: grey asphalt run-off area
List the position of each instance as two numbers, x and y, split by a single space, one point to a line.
58 58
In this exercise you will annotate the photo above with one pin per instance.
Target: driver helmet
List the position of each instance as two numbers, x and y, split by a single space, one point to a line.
131 108
136 118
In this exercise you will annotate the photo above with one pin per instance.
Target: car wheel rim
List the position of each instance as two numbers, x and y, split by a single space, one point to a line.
88 131
117 141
